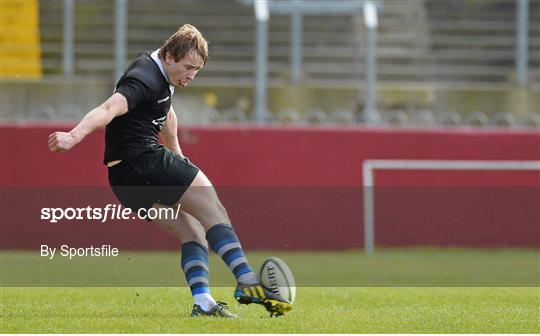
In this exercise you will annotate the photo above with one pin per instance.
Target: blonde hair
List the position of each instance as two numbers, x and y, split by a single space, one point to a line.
186 39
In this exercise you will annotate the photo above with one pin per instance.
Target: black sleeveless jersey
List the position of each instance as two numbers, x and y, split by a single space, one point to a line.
149 100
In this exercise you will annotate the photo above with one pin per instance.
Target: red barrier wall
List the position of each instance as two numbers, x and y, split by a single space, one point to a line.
290 188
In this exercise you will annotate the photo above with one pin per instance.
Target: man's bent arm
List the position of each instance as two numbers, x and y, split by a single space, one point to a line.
169 133
99 117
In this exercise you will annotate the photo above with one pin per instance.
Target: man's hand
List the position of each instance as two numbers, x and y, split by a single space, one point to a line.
99 117
61 141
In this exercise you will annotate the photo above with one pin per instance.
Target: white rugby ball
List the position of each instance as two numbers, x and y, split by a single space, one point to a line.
277 277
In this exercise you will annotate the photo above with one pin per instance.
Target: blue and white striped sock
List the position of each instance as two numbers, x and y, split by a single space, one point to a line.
194 262
223 240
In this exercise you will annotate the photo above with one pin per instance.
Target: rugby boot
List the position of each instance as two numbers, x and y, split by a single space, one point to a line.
257 293
220 310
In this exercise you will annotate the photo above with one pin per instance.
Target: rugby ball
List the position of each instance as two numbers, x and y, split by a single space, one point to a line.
277 277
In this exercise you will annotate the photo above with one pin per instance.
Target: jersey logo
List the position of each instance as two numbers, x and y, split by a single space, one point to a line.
163 100
159 121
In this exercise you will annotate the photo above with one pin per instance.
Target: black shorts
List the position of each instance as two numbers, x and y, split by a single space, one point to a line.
155 176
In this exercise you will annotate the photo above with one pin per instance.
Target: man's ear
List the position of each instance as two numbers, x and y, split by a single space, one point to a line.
168 58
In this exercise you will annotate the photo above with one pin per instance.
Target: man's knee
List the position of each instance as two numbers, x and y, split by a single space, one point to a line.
203 203
184 227
221 209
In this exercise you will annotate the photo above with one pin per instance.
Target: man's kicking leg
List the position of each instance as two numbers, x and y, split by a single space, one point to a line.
194 263
201 201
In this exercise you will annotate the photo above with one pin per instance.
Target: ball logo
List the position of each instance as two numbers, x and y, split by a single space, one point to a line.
271 276
277 277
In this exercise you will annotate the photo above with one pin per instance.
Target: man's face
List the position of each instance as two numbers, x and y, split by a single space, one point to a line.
184 71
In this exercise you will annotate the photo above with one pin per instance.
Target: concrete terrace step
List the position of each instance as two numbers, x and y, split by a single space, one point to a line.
419 40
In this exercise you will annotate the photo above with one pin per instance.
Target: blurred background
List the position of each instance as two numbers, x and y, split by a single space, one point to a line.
291 117
414 63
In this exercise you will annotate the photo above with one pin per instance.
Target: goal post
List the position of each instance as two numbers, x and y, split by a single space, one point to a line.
370 166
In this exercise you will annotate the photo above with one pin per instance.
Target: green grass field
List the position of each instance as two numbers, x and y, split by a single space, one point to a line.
323 309
317 310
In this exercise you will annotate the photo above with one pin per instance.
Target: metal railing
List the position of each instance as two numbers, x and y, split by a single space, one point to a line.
307 49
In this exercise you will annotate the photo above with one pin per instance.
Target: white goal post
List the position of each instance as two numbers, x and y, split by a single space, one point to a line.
369 167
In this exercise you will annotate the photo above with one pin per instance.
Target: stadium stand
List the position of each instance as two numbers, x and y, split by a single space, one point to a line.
449 41
20 51
449 118
234 114
316 116
503 119
288 115
396 117
344 117
430 45
530 119
477 119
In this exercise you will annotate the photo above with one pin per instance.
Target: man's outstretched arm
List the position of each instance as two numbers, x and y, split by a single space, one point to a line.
169 133
99 117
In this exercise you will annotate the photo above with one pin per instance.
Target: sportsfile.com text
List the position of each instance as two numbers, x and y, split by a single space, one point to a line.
108 212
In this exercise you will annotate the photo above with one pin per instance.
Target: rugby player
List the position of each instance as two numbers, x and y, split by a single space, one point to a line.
144 173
